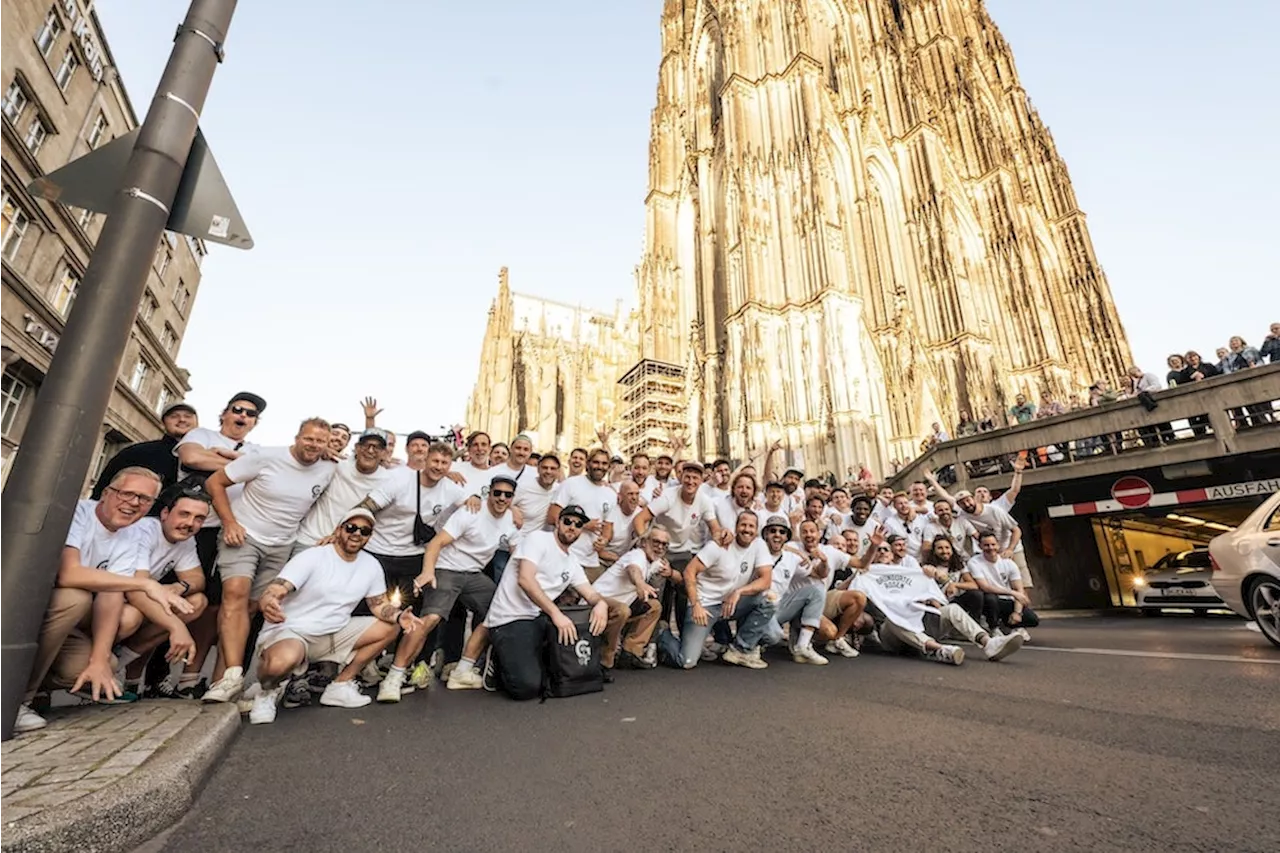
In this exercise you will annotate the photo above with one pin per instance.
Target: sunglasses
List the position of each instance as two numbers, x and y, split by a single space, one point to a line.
659 544
573 521
244 410
502 494
133 497
357 529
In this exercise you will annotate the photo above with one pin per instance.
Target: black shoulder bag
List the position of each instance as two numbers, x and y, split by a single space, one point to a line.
572 670
422 532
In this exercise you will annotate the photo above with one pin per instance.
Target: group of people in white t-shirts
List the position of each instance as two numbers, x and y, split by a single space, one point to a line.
316 568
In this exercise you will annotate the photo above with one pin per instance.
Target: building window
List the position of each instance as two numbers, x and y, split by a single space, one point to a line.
67 69
14 226
49 32
197 248
181 296
36 134
86 219
15 101
169 340
163 257
98 130
148 307
165 396
64 295
12 392
141 371
170 240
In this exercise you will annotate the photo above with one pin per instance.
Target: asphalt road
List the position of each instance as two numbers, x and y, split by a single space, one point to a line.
1169 746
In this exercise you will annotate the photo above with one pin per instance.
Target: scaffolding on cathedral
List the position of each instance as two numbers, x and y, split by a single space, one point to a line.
654 407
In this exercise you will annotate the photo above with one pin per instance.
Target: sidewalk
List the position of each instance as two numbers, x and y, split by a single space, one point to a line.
108 778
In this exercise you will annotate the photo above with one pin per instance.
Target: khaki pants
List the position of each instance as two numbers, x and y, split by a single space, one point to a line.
65 642
639 629
954 623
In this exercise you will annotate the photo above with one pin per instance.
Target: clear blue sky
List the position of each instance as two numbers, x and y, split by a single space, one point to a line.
389 156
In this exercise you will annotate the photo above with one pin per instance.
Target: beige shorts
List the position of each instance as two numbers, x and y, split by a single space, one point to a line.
337 647
831 609
1020 560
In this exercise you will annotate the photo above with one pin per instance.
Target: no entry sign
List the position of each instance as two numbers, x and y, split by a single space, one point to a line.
1132 492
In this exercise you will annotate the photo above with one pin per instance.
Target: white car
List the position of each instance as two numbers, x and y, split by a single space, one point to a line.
1182 579
1246 568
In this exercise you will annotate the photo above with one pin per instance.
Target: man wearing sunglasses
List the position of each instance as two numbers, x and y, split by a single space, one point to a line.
308 615
634 606
453 571
84 617
523 603
353 479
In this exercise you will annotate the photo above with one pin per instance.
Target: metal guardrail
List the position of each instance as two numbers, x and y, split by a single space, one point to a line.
1227 415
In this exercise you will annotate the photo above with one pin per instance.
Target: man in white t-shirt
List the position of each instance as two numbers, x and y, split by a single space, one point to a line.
622 517
534 494
578 462
353 479
734 583
717 485
590 492
524 602
842 609
741 497
166 553
1004 603
258 528
905 523
475 470
83 620
799 603
944 523
661 479
861 523
453 572
308 618
628 587
918 497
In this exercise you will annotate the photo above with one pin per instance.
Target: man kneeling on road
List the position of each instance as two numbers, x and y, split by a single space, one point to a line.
523 604
634 604
453 570
323 585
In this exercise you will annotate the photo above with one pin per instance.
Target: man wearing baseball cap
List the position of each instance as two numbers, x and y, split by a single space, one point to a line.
308 613
178 419
353 480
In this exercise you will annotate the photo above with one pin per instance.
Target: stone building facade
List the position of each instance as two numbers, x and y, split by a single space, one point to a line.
63 98
549 370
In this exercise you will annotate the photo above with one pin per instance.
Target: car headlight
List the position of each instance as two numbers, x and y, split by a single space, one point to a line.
1139 582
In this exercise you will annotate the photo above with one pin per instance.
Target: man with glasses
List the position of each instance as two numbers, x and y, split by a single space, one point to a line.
353 479
178 418
799 602
84 617
523 604
452 572
308 613
634 608
258 528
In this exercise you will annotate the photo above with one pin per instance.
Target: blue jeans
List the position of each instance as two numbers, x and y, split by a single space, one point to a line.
801 606
752 613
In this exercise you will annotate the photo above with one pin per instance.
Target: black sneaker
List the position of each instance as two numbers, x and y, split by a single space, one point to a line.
297 693
626 660
319 675
490 678
606 674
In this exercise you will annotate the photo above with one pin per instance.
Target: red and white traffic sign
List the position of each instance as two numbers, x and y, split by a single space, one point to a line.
1132 492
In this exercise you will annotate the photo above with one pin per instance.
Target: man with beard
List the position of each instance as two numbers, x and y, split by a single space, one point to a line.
178 418
623 519
660 479
842 610
944 523
339 438
633 600
534 494
516 466
799 603
717 485
1004 601
353 480
308 612
905 523
258 529
475 468
200 453
734 583
546 565
741 498
591 494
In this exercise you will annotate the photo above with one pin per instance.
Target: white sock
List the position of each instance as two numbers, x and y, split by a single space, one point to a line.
126 655
464 666
233 672
806 637
395 668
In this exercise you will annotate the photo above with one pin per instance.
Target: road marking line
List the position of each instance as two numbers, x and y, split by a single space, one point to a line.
1166 655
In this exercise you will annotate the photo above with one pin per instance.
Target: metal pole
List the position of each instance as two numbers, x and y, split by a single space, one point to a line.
57 446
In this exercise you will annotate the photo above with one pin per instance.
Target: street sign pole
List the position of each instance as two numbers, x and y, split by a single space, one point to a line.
57 447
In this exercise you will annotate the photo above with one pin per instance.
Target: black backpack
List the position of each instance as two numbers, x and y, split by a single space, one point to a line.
572 670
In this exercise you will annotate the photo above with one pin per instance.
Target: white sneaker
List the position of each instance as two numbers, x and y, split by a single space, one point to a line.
346 694
841 647
264 706
947 654
806 654
1000 647
28 720
737 657
651 654
226 688
1022 632
390 688
469 680
248 697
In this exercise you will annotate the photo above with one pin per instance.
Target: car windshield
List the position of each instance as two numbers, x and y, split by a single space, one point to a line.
1190 560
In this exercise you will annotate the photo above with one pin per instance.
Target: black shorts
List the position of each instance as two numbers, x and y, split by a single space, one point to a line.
399 573
207 539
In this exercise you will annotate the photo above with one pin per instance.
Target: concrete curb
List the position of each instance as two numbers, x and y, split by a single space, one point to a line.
143 804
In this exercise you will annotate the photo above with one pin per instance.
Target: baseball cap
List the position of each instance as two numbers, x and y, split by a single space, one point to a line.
774 484
359 512
417 433
176 405
575 511
693 466
778 521
250 397
893 537
503 478
795 471
373 434
962 494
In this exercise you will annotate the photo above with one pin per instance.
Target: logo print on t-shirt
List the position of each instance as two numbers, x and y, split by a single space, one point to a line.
564 576
604 510
503 543
316 490
484 491
742 570
437 509
103 564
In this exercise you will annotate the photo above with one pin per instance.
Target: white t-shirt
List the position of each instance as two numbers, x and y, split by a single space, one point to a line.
616 583
533 501
100 548
960 533
685 523
278 493
557 570
477 536
912 530
479 479
786 565
210 439
624 527
992 519
1005 504
395 503
727 512
864 532
711 491
651 485
327 589
158 555
729 569
883 511
347 488
1003 573
596 501
837 560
